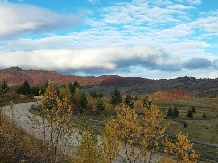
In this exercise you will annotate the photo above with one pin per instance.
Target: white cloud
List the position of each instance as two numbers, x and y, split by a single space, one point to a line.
194 2
18 18
105 58
94 1
213 27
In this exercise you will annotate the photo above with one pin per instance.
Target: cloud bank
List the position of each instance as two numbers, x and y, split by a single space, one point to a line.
16 19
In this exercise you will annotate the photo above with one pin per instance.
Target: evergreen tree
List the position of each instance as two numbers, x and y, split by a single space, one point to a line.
193 109
83 103
129 102
116 97
93 94
100 95
100 105
74 86
96 95
24 88
170 112
4 87
136 97
189 114
176 112
35 90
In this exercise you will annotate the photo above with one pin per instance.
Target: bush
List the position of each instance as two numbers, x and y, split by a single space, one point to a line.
185 125
170 112
193 109
176 112
173 112
189 114
204 116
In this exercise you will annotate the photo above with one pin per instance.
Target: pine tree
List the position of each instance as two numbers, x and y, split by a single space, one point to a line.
24 88
175 112
116 97
170 112
129 102
100 105
189 114
83 103
74 86
4 87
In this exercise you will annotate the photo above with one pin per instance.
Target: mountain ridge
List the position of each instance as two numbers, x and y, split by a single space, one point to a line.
107 83
16 75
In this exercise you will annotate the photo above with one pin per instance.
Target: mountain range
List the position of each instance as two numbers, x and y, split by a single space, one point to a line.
186 86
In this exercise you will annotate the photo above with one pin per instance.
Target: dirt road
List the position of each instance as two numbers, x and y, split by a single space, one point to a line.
21 115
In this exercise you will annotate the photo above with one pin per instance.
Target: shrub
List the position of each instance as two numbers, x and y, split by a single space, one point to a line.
170 112
193 109
189 114
185 125
173 112
204 116
176 112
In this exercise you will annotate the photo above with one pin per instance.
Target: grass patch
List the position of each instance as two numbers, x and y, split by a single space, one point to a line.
199 128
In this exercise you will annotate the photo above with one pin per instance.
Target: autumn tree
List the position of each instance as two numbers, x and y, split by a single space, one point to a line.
180 148
88 149
138 137
76 97
58 114
64 92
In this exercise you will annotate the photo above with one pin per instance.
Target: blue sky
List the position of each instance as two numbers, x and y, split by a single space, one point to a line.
145 38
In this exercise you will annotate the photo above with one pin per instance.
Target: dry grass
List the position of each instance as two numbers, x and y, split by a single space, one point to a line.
200 129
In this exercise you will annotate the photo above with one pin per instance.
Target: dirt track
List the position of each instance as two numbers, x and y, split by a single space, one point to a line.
20 113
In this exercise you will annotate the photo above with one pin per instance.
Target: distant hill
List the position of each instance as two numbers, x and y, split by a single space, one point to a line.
15 75
170 94
183 86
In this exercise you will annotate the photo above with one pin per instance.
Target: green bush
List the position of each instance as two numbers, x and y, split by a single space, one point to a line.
185 125
189 114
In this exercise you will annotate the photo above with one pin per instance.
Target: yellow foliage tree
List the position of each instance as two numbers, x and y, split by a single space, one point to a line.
58 114
181 149
88 149
138 137
64 92
76 98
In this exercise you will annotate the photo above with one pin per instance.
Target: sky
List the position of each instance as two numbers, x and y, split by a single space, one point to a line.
140 38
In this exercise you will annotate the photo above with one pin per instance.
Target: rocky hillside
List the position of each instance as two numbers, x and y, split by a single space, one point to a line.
16 75
170 94
183 86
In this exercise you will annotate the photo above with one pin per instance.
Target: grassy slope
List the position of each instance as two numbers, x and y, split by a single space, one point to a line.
205 130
